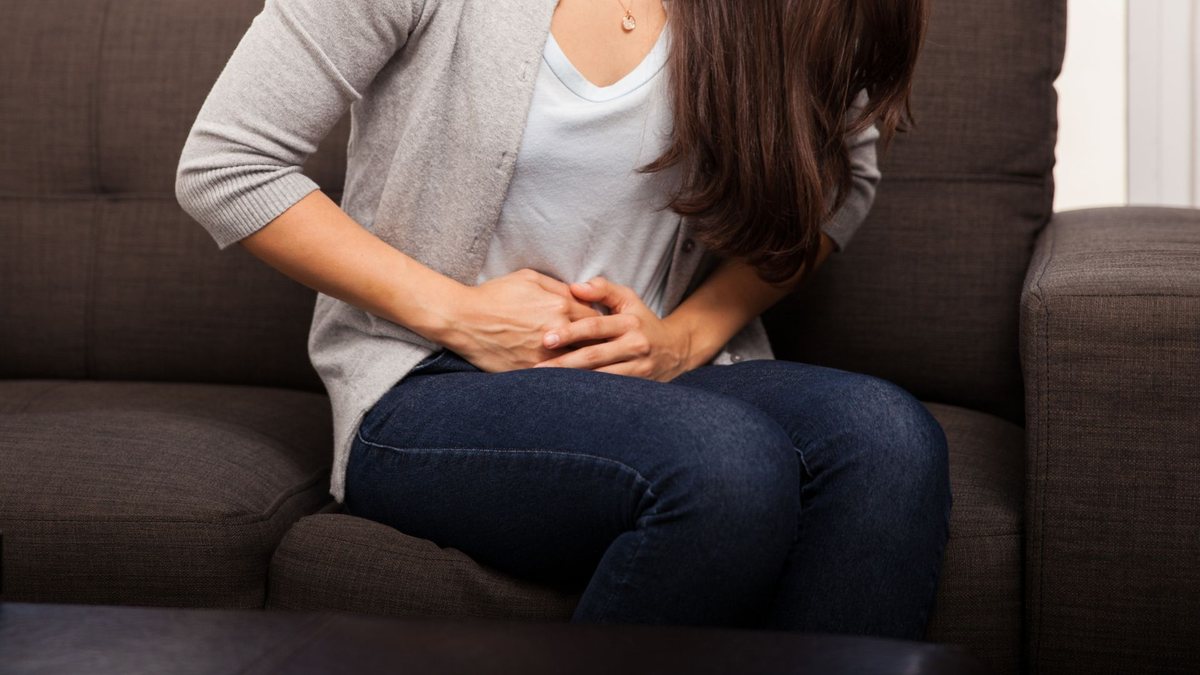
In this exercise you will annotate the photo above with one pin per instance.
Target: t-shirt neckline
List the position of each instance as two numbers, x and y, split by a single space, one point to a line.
570 76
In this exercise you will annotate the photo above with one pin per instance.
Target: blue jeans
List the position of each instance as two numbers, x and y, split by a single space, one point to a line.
764 493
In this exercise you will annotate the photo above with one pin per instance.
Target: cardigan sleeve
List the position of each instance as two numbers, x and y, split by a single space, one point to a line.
297 69
864 168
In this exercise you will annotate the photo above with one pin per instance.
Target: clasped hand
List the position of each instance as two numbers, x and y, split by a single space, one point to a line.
530 319
634 340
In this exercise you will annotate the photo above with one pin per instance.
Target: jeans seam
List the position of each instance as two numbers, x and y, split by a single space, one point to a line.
505 449
623 582
800 451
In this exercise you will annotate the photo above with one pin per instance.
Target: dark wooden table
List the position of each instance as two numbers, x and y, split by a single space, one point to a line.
99 639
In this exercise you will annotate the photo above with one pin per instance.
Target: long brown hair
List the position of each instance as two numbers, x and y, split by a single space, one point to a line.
762 91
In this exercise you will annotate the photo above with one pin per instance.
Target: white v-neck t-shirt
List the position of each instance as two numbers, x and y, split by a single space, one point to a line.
575 207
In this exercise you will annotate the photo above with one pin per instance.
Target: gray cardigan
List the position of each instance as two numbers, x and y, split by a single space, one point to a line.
438 92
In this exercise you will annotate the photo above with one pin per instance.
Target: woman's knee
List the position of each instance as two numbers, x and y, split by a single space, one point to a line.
735 464
901 435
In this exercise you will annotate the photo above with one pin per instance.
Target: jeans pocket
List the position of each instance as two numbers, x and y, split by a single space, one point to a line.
428 361
444 361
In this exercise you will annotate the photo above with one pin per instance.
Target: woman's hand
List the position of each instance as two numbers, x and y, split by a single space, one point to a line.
498 324
633 339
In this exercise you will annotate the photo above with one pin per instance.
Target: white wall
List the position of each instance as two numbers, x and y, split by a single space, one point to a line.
1164 141
1092 152
1129 104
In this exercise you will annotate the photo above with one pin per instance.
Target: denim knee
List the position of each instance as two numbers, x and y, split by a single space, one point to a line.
737 468
907 443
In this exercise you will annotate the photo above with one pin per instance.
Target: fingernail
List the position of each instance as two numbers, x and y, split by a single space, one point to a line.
552 339
585 284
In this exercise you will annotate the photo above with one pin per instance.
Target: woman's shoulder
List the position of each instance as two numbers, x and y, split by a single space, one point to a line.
490 26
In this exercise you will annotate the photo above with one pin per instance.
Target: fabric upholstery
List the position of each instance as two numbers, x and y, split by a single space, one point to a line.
928 294
94 249
341 562
337 561
150 493
1111 348
980 593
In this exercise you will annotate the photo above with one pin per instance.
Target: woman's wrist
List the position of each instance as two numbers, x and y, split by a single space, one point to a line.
434 312
700 342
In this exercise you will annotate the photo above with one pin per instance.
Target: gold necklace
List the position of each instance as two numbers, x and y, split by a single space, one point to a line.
628 23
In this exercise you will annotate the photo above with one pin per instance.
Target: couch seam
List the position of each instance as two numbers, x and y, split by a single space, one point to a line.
1042 440
1128 295
92 263
222 424
94 103
37 396
450 557
301 553
1054 61
304 556
437 557
279 502
250 519
89 296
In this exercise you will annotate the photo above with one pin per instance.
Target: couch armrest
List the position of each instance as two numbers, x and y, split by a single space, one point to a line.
1110 351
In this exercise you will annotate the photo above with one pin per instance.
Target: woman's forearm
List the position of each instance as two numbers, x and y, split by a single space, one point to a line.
316 243
728 299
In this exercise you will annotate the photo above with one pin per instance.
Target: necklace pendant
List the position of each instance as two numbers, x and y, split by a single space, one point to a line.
628 23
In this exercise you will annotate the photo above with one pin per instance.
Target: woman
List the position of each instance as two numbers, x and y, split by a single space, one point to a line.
633 437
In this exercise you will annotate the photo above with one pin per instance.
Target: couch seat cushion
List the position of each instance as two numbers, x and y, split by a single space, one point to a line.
979 602
153 493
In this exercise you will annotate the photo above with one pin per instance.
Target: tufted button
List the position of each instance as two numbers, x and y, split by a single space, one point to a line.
735 357
688 245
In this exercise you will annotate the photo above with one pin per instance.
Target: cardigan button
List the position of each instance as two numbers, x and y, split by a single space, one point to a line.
688 245
735 357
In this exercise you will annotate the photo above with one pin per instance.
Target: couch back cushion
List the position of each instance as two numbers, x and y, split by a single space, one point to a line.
927 293
102 275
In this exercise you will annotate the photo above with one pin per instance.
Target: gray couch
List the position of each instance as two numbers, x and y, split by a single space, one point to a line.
165 442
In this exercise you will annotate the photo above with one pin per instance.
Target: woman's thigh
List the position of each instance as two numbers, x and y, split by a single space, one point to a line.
813 403
536 471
